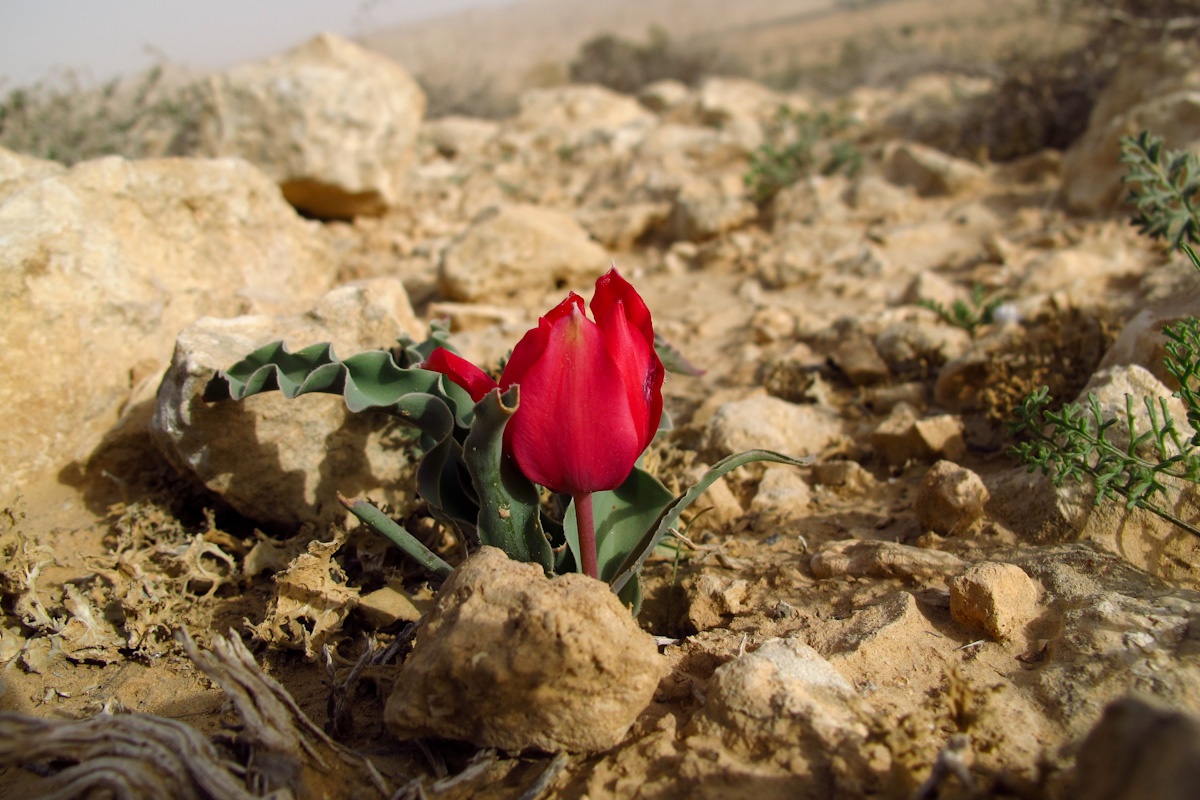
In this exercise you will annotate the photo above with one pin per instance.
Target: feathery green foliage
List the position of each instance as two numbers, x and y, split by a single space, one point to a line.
796 145
981 310
1120 457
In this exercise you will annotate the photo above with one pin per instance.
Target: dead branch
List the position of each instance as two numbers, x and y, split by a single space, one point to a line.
132 756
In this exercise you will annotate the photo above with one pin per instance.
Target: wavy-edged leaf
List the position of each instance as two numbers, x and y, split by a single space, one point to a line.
637 556
369 381
372 381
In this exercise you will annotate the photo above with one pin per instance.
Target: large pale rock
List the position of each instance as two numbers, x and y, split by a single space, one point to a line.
519 247
905 436
335 125
1141 340
1158 90
18 170
509 659
772 424
278 461
786 697
105 263
1111 630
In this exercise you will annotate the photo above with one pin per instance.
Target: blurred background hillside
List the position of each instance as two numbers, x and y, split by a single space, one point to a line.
1046 59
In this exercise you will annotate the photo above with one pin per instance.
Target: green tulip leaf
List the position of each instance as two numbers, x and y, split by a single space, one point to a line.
509 508
373 381
409 353
381 523
369 381
621 516
636 556
673 360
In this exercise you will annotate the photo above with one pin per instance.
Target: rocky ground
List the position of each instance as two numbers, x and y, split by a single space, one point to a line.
912 616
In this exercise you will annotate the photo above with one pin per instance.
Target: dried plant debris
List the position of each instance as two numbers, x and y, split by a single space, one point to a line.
142 755
123 603
311 601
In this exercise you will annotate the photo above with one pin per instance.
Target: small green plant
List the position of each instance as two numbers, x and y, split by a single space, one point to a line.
799 144
1077 444
968 315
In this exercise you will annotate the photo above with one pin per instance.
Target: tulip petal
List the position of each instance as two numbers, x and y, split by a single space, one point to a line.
574 431
611 289
640 369
463 372
533 343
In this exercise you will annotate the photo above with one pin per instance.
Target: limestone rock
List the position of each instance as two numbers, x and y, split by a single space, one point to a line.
577 109
105 263
335 125
1111 629
1157 89
910 347
904 436
719 500
519 247
1032 504
1138 751
703 211
722 100
998 598
388 605
785 695
1141 340
950 498
844 474
782 492
279 461
858 359
458 137
772 424
664 95
882 560
511 660
929 171
712 600
621 227
18 170
1081 272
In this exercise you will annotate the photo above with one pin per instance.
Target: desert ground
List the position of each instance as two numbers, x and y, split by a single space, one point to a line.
188 611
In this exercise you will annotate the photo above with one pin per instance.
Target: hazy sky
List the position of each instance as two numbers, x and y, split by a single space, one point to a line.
104 38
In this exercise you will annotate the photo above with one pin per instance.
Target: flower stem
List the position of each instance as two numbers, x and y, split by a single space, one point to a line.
587 534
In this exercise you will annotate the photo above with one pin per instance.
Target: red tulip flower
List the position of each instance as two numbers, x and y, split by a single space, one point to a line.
591 396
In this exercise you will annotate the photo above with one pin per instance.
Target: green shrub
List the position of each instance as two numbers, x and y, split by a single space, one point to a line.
799 144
